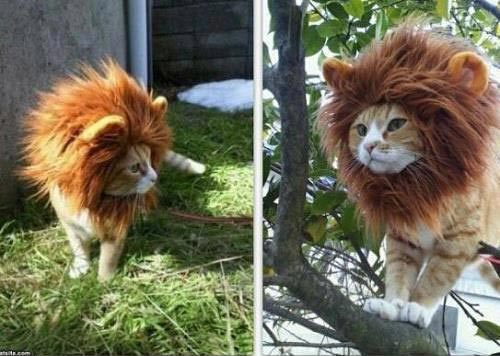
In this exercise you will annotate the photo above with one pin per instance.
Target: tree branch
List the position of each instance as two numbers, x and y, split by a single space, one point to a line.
459 301
268 79
270 333
362 328
271 306
369 271
457 21
330 345
289 81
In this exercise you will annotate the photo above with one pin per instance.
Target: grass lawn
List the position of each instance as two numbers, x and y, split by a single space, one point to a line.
183 287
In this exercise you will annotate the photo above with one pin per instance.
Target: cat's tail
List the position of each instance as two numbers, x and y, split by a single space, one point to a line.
183 163
489 273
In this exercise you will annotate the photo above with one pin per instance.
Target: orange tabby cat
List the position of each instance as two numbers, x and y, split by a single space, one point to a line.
94 145
414 122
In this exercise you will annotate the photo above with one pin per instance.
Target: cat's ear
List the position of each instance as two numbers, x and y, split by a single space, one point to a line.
160 105
469 70
104 125
335 70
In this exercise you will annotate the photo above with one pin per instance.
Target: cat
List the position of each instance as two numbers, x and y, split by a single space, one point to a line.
94 145
414 123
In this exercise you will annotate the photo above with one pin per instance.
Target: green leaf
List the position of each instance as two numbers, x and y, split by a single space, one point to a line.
443 8
349 221
334 44
312 40
266 167
330 28
317 228
475 36
365 20
266 57
324 203
394 14
371 31
381 25
363 39
314 17
491 329
480 15
337 10
373 242
354 8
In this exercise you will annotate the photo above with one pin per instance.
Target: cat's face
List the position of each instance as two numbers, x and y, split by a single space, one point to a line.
384 139
133 174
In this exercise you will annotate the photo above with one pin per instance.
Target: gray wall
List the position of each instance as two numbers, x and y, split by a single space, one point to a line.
202 40
39 41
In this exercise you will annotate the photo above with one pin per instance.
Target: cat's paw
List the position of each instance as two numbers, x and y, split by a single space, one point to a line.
78 269
104 277
399 303
383 308
416 314
105 273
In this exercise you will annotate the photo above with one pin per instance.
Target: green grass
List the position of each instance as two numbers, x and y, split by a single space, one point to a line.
182 287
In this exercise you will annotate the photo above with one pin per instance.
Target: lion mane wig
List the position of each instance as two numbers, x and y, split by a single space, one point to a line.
443 86
78 131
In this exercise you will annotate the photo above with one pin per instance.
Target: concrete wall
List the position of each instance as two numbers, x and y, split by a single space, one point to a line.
202 40
39 41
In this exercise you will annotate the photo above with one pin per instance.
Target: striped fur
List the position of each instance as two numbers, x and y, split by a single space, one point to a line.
183 163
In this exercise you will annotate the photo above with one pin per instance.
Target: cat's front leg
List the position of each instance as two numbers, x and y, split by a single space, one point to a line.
80 246
444 267
403 263
111 250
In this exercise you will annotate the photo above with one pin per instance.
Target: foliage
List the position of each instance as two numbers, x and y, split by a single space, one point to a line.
345 27
183 287
342 29
488 330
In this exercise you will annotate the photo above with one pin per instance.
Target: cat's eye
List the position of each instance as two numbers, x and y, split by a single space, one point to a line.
396 124
134 168
362 129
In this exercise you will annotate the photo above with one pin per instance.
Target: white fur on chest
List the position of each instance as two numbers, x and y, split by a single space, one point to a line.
426 239
80 222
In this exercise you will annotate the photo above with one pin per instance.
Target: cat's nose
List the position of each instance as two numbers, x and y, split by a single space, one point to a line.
370 146
152 176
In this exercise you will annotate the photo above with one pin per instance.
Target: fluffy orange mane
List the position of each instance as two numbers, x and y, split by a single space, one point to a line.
55 154
411 67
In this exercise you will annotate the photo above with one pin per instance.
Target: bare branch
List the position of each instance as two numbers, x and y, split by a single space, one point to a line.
271 306
460 302
369 271
457 22
271 334
329 345
275 281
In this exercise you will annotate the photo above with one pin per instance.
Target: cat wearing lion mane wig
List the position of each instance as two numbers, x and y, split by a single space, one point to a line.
414 124
94 144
